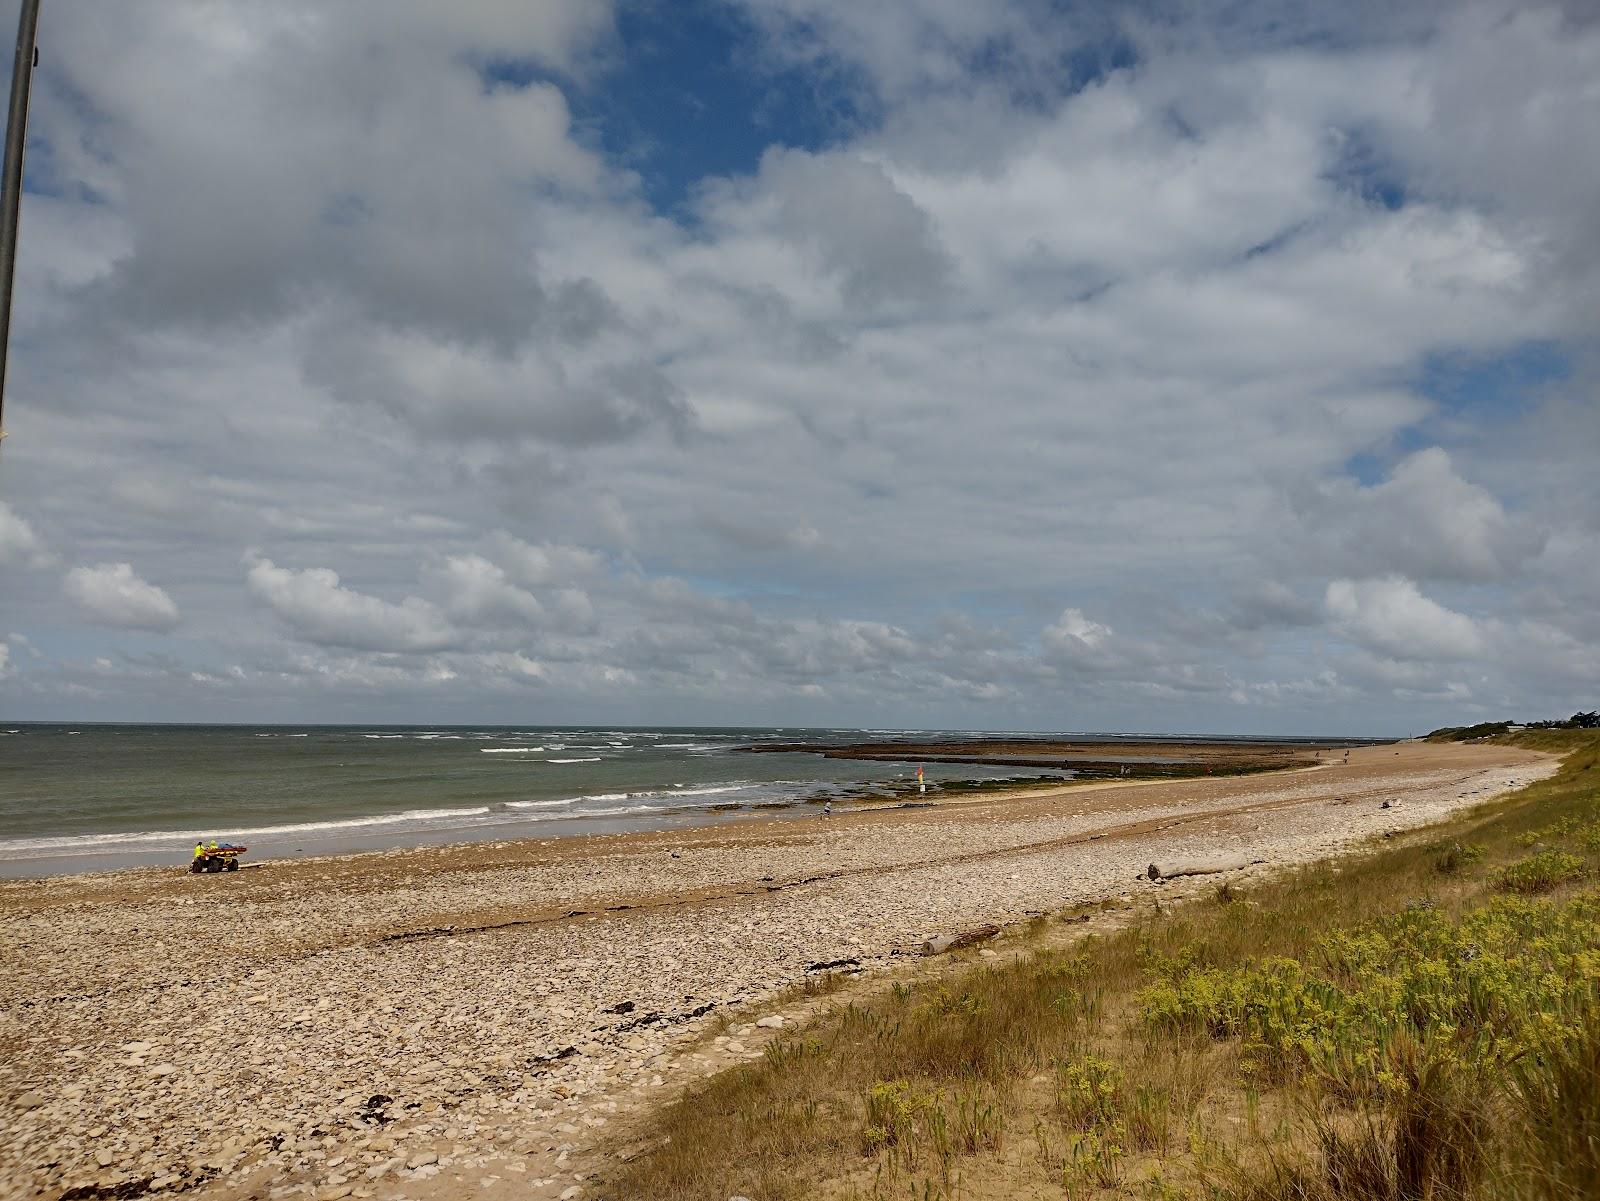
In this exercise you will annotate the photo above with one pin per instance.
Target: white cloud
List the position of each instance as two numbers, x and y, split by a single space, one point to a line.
319 609
1391 616
841 428
1425 521
1075 630
477 590
19 545
514 665
846 211
547 565
113 595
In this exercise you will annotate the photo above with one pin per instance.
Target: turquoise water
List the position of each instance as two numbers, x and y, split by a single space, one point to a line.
75 797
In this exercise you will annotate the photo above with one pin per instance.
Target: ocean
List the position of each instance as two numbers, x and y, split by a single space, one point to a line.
95 797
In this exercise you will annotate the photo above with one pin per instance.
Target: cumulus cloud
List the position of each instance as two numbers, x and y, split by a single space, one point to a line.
477 590
865 231
1392 616
514 666
753 535
19 545
1075 634
1086 649
1023 305
318 608
447 390
1425 520
1270 605
353 210
115 596
545 565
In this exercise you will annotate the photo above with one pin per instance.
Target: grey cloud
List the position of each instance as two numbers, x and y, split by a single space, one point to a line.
448 391
112 593
478 591
320 609
1073 350
1510 99
1272 605
1425 520
1079 641
332 151
546 565
867 231
753 535
1391 616
19 545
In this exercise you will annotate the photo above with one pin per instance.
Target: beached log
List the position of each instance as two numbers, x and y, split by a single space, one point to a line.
1199 867
941 943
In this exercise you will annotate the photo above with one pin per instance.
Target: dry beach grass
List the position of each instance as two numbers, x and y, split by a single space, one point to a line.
1420 1022
421 1022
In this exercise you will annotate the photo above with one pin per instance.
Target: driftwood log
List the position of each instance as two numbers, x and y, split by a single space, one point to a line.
1199 867
940 943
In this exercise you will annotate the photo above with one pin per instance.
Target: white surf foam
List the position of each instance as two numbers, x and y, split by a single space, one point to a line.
28 848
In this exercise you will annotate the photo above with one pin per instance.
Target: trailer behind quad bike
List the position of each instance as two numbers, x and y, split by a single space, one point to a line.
218 859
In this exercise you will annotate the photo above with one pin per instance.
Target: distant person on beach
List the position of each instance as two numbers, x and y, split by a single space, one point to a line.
827 808
200 850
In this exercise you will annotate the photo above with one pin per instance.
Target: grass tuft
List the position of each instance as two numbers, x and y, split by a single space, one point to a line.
1394 1027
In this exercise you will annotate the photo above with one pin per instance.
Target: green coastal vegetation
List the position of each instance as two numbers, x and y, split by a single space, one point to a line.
1492 729
1421 1021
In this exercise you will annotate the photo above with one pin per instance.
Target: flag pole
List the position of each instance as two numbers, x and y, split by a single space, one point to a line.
11 183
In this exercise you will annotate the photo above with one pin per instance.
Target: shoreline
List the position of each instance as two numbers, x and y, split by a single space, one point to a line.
515 796
524 830
518 988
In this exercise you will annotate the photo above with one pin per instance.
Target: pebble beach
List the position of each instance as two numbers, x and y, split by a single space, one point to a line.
490 1019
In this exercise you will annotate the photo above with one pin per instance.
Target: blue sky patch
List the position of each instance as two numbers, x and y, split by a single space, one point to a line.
693 95
1500 386
1360 167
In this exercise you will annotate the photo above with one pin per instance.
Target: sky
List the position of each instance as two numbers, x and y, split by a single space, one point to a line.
1166 365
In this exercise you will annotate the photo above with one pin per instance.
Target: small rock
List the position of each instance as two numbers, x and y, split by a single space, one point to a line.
422 1160
29 1100
571 1192
773 1022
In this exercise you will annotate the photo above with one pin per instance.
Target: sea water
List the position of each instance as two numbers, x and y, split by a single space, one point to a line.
90 797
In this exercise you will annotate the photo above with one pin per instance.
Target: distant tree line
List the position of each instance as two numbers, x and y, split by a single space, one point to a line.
1487 729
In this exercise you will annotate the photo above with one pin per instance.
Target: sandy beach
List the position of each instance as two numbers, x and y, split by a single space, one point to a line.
487 1018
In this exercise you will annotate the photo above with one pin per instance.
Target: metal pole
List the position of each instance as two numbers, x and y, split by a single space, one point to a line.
11 184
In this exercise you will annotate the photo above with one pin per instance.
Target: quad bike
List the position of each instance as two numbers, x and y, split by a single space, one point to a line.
218 859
